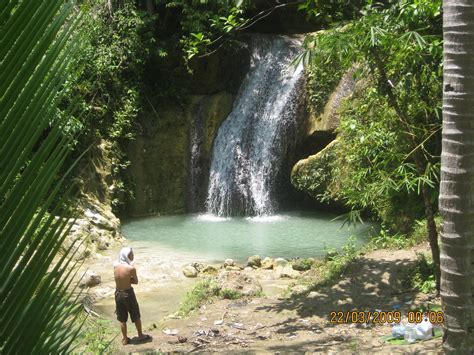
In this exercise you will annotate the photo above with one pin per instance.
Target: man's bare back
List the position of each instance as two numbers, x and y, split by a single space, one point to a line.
125 300
125 276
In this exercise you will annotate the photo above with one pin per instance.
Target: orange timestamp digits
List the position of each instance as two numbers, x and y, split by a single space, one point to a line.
435 317
365 317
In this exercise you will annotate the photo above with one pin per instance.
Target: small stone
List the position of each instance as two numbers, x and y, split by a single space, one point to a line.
190 271
229 262
254 261
267 263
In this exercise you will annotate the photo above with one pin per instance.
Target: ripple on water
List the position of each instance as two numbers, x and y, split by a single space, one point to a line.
267 219
212 218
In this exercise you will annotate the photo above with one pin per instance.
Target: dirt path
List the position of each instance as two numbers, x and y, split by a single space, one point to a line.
301 323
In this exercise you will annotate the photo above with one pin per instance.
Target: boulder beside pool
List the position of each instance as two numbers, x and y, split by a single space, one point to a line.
254 261
190 271
267 263
280 262
89 279
229 262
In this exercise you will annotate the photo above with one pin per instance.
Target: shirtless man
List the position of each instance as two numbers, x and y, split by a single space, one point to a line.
125 301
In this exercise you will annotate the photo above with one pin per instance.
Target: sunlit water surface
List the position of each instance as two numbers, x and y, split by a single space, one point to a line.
211 238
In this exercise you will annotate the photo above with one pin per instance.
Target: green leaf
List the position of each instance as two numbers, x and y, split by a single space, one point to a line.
39 43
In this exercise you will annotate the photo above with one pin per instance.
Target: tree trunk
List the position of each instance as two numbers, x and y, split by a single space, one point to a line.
456 200
150 7
110 7
432 235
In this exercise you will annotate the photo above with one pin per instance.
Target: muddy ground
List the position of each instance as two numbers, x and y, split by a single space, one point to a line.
300 323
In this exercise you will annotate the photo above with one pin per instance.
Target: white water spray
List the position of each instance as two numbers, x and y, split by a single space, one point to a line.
254 138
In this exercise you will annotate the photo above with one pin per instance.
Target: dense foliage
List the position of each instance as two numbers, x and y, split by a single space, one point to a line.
389 133
135 60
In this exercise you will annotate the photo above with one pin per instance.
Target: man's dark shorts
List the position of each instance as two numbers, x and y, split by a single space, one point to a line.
125 303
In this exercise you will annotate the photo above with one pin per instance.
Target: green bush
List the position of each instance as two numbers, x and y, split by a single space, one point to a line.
334 267
421 274
387 158
322 78
230 294
386 239
202 292
97 336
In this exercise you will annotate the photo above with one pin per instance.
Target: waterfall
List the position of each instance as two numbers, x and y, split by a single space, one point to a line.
255 138
196 175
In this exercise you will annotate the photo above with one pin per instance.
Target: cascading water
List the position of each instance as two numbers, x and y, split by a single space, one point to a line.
255 138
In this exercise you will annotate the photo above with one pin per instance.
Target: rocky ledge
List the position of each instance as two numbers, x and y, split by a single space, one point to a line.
96 229
280 267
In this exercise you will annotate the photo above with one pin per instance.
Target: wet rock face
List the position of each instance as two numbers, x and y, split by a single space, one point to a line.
170 156
221 71
328 120
169 159
313 173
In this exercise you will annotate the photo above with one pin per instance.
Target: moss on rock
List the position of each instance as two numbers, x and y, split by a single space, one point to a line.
313 175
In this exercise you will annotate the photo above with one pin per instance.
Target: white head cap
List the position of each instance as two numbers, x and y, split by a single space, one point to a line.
123 256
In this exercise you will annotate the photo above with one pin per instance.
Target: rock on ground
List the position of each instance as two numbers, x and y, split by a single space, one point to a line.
254 261
89 279
286 271
190 271
267 263
229 262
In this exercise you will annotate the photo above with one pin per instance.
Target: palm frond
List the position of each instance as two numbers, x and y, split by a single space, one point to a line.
37 312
